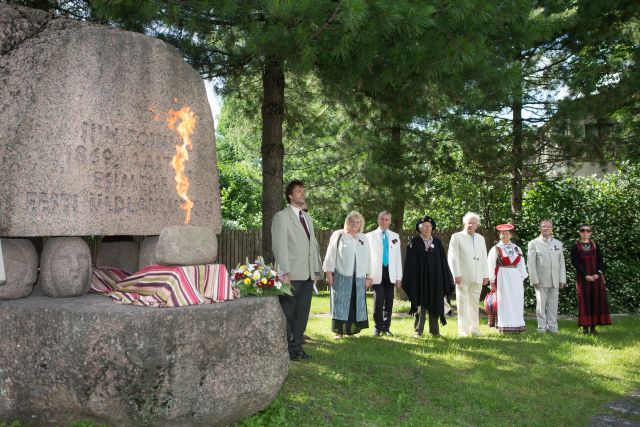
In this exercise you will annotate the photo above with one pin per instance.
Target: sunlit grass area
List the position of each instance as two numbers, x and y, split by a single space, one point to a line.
524 380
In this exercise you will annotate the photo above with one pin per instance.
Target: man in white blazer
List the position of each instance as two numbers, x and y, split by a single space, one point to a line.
297 256
547 274
386 272
467 258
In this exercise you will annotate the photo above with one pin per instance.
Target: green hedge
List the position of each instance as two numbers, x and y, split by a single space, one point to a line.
611 205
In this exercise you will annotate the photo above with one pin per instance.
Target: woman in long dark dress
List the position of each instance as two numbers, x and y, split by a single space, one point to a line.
586 257
348 273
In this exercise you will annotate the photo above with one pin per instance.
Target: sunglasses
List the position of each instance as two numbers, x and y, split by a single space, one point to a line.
585 230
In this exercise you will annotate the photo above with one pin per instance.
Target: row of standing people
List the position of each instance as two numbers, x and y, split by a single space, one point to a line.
355 262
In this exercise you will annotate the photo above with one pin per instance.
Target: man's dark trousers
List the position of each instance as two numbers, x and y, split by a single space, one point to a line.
383 302
420 317
296 311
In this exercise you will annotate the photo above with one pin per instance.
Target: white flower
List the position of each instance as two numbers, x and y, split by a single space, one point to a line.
278 285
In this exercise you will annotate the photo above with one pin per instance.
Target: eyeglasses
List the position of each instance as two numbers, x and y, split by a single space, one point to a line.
585 230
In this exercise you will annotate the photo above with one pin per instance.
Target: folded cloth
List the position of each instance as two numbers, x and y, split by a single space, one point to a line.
165 286
103 279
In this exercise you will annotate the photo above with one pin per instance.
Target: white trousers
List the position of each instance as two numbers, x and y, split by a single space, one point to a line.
547 308
467 297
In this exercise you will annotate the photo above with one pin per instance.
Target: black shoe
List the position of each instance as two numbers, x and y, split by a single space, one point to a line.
388 333
294 357
376 332
304 356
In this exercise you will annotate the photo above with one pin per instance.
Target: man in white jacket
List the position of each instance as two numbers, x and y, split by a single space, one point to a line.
386 268
547 274
467 258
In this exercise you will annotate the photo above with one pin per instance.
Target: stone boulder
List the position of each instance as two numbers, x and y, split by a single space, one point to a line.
96 360
65 267
21 268
186 245
122 255
84 144
147 252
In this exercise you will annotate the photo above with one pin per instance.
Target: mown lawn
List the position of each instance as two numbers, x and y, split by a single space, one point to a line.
526 380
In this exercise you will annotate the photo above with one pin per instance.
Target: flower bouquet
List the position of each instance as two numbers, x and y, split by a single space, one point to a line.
258 279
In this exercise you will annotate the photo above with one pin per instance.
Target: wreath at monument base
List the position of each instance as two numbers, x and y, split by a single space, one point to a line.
259 279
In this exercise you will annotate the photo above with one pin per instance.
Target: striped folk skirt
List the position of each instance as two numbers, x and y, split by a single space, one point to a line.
348 304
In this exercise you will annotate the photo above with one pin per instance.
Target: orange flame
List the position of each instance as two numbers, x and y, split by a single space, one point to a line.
183 122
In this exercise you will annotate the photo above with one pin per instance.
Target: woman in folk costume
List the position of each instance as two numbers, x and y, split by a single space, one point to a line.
507 271
348 273
593 308
427 279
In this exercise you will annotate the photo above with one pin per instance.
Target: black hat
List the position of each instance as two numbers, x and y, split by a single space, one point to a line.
426 218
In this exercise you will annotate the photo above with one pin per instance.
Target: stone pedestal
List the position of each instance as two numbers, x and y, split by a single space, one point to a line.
20 261
148 252
91 359
122 255
186 245
65 267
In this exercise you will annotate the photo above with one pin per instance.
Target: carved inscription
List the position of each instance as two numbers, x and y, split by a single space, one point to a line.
99 203
129 170
96 133
51 202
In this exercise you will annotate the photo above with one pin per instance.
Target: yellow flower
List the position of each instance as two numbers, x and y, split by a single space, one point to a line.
256 276
246 273
247 281
263 281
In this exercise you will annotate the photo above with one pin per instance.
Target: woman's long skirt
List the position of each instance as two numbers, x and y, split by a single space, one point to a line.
348 305
510 297
593 308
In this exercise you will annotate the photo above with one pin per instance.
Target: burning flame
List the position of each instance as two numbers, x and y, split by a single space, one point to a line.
183 121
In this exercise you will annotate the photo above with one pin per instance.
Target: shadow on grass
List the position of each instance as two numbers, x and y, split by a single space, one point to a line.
529 379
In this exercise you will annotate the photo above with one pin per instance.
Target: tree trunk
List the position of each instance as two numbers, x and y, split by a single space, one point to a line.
397 187
272 149
517 161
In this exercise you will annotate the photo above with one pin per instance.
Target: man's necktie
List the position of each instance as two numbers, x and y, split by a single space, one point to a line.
385 249
304 225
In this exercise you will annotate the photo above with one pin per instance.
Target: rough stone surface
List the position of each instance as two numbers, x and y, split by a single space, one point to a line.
605 420
80 150
65 267
95 360
186 245
21 268
148 252
122 255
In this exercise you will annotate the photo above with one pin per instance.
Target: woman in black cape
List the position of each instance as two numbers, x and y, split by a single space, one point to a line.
427 279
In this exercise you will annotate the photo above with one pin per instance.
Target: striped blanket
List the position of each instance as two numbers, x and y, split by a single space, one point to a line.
164 285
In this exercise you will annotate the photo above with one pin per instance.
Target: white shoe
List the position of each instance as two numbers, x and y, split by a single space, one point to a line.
476 333
463 334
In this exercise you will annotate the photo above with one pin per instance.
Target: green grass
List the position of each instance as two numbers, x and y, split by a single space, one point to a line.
524 380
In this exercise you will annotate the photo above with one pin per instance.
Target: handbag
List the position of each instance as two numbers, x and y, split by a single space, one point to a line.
491 303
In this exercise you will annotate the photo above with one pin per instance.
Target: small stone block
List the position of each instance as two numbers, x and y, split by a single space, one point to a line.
186 245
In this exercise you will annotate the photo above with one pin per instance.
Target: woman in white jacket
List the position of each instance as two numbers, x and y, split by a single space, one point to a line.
348 272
